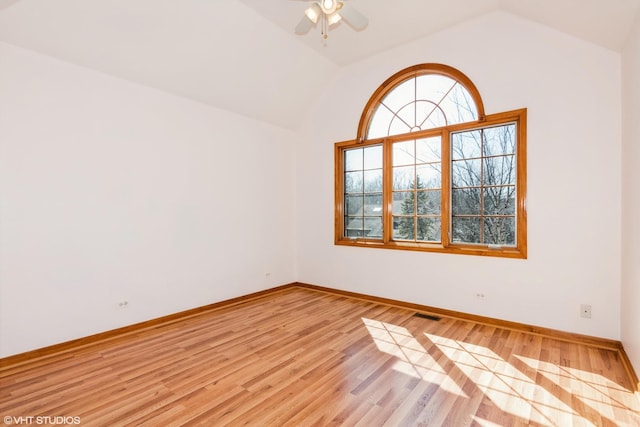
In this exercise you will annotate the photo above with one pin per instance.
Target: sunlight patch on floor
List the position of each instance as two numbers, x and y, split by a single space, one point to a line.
541 392
507 387
414 360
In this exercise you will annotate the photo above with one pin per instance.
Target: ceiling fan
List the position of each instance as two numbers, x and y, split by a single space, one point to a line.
330 12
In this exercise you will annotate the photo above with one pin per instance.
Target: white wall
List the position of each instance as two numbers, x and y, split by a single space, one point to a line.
630 318
572 91
111 191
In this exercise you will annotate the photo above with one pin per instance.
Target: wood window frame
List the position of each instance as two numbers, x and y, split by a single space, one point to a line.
519 117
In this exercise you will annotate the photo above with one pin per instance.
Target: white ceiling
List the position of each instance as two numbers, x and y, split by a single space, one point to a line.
242 55
393 22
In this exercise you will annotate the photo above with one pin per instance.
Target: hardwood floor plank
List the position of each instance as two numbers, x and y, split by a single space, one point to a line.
303 357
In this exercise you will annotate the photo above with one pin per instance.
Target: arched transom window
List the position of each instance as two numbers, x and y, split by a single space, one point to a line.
423 98
430 171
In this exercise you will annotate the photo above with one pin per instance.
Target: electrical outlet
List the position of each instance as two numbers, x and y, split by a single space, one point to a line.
480 295
123 304
585 311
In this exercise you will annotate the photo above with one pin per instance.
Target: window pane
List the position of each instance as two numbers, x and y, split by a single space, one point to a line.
353 182
500 140
380 121
466 173
354 226
373 157
458 106
428 150
404 153
500 200
500 170
500 231
398 126
353 205
429 116
363 191
403 228
466 145
429 176
465 201
353 160
428 202
433 87
403 178
400 95
373 181
373 227
465 230
373 205
407 114
484 178
403 203
428 229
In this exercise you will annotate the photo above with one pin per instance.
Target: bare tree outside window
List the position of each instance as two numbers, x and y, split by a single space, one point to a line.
483 190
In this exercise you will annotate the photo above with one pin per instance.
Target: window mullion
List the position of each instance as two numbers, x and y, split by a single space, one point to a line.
445 203
415 194
481 183
387 191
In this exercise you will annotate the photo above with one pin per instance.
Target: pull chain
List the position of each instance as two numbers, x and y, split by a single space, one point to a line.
325 30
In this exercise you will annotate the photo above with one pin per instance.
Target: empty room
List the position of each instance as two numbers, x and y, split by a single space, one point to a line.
311 213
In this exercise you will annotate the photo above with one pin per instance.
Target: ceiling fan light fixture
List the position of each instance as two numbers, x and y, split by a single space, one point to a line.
327 13
334 18
313 13
328 6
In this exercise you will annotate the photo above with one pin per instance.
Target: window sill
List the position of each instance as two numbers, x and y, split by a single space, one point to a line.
435 247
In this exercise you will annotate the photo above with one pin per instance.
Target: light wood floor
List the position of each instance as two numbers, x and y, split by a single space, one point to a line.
299 357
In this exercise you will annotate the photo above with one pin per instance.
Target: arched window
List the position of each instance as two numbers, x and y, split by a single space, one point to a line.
430 171
418 98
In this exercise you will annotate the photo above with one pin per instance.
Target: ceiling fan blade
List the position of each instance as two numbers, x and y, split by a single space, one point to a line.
354 18
303 26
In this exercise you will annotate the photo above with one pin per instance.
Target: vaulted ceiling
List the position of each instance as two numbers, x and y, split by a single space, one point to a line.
242 55
392 22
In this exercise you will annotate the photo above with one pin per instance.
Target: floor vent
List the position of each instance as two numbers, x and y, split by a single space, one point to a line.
427 316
